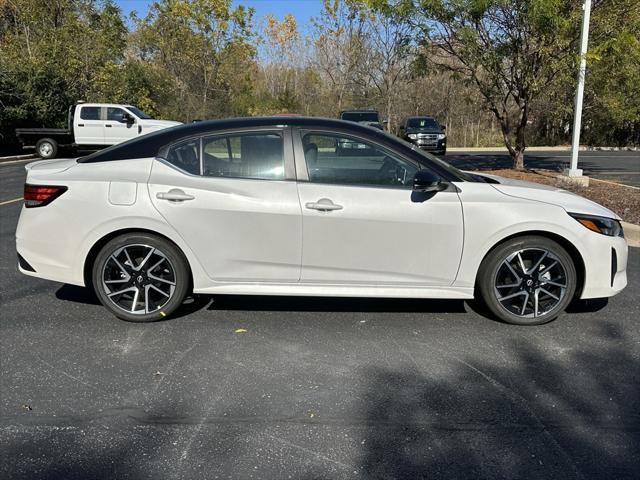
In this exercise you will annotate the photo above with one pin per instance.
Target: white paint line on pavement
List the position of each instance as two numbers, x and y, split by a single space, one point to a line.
7 202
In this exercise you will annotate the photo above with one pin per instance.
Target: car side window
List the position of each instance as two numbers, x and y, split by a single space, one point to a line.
90 113
339 159
247 155
186 156
115 114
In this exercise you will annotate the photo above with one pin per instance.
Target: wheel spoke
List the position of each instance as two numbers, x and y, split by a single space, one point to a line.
120 266
126 254
155 265
119 280
555 284
535 302
542 257
119 292
513 272
521 292
134 303
158 290
524 304
163 280
524 270
549 293
144 260
547 268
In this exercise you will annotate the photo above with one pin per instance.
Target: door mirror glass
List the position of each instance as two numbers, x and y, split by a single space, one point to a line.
426 181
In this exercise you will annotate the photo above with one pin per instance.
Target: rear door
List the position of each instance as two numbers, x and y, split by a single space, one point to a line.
89 126
233 198
363 224
115 129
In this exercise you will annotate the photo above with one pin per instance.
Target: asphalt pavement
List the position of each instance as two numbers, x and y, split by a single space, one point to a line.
620 166
309 388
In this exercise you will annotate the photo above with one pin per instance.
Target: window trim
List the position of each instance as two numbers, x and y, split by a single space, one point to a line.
100 113
301 161
287 150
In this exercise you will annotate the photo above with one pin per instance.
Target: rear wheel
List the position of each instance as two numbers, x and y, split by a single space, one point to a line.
140 277
527 280
47 148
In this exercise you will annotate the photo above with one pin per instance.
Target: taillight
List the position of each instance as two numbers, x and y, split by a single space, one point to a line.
41 195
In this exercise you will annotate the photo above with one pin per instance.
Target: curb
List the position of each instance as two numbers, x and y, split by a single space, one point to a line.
632 234
13 158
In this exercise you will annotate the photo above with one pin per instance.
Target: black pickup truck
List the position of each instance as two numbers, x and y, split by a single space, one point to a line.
426 133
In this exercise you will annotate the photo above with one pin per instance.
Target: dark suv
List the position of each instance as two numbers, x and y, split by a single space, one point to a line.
365 117
426 133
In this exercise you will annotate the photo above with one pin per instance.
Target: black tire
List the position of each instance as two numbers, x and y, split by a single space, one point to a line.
47 148
529 301
121 265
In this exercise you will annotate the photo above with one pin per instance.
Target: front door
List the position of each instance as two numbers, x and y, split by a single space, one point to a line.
362 224
115 129
233 199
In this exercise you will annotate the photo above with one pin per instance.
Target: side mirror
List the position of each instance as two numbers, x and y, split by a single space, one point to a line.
425 181
443 127
126 118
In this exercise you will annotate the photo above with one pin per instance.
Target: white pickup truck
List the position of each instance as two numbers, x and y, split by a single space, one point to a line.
91 126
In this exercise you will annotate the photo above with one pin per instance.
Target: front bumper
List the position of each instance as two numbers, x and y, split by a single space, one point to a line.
605 267
429 145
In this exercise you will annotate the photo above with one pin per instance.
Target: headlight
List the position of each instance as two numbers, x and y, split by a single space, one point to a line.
441 136
413 136
603 225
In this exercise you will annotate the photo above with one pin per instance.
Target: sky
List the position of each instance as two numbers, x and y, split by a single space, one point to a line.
302 9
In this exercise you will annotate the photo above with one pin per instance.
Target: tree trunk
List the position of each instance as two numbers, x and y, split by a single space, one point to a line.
518 159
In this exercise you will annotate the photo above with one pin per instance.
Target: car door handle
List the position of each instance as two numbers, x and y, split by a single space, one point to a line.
109 126
174 195
81 124
324 205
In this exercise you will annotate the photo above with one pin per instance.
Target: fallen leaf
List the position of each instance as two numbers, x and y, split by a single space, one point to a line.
241 330
27 407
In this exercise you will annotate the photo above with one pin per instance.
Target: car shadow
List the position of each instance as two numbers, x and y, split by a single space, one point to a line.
194 303
334 304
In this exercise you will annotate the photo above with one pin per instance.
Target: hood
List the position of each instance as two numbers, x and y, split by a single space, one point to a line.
423 130
548 194
51 166
158 124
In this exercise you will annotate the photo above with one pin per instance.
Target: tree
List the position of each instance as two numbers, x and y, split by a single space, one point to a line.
511 50
193 40
389 54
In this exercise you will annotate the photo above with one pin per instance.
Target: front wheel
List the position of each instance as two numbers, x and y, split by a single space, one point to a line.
140 277
527 280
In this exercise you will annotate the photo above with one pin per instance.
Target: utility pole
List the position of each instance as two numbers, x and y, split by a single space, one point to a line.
574 171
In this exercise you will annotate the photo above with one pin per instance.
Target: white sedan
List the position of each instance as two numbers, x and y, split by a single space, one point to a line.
308 206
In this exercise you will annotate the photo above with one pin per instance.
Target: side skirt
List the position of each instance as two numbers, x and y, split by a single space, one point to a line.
338 290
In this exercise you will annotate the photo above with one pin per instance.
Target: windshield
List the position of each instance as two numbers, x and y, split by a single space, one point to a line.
361 116
429 123
138 113
427 159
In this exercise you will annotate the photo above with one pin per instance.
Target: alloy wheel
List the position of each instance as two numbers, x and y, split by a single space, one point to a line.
530 282
45 149
138 279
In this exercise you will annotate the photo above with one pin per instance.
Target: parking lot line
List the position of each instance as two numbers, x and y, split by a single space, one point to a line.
7 202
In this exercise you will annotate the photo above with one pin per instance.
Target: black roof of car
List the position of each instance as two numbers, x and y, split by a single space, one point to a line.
148 145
